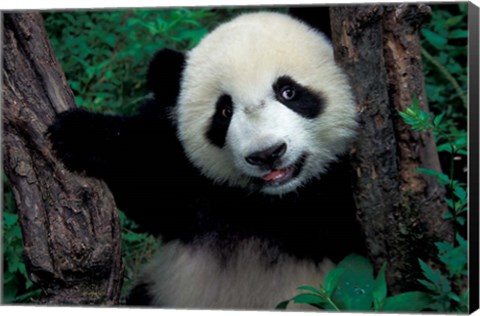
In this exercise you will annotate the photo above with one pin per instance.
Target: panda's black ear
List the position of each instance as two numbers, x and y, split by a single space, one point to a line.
164 75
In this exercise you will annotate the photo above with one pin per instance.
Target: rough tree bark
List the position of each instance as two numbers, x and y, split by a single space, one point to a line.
399 209
70 224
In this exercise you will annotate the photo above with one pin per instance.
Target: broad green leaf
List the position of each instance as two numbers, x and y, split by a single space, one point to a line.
407 302
354 289
380 288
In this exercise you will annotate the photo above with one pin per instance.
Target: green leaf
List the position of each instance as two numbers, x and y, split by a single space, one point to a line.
445 147
380 288
447 216
429 273
454 297
307 298
434 38
354 289
429 285
460 193
9 219
309 288
283 305
331 280
461 140
450 204
443 246
462 242
458 34
407 302
454 20
442 178
438 119
110 39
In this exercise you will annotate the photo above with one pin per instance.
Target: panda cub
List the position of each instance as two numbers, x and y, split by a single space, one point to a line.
235 163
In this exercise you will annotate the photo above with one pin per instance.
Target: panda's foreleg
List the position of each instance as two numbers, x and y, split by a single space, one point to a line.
86 141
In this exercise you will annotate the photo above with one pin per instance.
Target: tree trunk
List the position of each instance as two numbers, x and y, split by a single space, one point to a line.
70 224
399 209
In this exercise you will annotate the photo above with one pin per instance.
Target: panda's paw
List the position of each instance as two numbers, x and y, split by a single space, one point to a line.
70 135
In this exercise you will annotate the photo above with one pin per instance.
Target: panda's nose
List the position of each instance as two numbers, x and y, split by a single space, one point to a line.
267 157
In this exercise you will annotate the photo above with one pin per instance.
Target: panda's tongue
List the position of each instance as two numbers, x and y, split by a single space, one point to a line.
276 175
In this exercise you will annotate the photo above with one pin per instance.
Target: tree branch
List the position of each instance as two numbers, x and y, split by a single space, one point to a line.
70 225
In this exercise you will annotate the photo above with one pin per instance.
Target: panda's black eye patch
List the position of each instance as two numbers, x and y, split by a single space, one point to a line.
298 98
217 131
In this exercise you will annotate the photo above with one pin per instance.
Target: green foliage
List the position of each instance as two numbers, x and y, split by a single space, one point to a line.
444 290
444 42
455 144
17 287
442 287
351 286
105 54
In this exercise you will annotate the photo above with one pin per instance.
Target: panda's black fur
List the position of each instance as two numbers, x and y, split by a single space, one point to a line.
144 164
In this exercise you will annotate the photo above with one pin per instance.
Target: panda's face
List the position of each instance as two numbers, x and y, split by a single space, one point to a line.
263 106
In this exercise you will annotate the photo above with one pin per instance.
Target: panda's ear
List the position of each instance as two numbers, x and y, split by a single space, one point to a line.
164 75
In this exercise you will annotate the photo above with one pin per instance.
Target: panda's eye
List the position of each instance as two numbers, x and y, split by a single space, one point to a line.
227 112
288 93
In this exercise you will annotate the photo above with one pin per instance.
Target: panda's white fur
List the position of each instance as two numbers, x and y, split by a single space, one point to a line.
243 58
192 276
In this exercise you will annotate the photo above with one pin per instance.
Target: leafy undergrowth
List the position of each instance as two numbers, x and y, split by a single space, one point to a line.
351 286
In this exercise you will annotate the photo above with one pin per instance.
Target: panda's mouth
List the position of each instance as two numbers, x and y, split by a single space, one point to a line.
278 177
